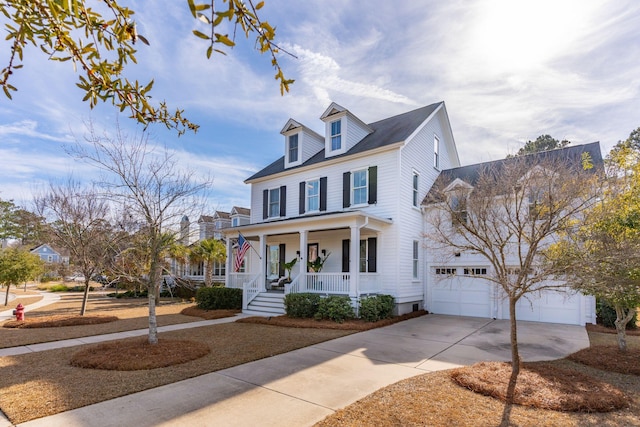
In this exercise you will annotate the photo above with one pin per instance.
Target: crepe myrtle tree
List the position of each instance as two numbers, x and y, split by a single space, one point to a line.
601 255
155 189
79 222
507 214
101 42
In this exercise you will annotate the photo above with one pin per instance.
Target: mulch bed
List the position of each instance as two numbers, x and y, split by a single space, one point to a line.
609 358
542 385
347 325
209 314
604 330
56 321
133 355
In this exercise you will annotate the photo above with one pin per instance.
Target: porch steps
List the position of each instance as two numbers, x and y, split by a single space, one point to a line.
267 304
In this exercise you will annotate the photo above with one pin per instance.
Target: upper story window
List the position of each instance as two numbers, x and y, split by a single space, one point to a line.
436 152
293 148
458 208
336 135
359 187
274 202
235 222
415 189
313 195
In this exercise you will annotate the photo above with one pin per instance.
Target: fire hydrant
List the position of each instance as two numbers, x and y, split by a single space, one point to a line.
19 312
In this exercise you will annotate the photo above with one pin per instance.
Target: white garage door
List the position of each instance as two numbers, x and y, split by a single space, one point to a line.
460 296
549 307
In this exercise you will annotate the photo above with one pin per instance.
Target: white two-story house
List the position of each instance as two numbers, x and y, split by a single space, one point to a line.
351 196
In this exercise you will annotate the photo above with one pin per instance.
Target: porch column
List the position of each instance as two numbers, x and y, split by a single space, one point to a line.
354 262
228 269
263 262
304 238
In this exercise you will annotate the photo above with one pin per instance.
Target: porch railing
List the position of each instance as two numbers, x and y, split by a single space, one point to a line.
329 283
236 280
250 290
370 283
293 287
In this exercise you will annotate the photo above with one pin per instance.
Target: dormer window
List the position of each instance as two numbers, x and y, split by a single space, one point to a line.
235 222
336 135
293 148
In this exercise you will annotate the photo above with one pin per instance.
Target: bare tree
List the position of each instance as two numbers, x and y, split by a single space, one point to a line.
154 188
508 212
79 222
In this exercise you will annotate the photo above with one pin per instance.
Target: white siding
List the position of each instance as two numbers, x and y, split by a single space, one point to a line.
310 145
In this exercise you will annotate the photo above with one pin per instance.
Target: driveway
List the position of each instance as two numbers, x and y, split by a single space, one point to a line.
302 387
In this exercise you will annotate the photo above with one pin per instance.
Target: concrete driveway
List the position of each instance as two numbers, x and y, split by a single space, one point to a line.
302 387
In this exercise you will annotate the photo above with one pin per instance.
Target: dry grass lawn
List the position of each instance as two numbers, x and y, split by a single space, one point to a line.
132 314
433 399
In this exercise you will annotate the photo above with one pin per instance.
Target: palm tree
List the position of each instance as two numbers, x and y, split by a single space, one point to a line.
209 251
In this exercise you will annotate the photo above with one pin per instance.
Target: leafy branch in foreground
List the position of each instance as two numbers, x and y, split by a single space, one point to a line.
101 44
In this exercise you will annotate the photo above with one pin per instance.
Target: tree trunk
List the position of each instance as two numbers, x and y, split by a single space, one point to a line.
621 321
85 297
153 288
515 364
208 278
6 297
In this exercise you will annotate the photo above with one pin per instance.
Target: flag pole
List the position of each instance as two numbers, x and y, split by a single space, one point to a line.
254 250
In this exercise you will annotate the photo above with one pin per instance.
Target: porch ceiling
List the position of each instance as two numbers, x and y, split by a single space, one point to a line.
321 222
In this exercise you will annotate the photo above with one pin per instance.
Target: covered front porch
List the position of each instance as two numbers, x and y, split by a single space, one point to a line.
347 242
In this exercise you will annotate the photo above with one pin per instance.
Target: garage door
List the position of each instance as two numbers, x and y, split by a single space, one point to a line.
549 307
460 296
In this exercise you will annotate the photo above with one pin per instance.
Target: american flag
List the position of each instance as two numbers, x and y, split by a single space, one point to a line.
242 247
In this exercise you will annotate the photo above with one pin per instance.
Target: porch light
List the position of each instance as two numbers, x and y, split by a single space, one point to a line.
298 254
324 252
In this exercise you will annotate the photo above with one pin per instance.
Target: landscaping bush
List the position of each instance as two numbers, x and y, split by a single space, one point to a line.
303 305
336 308
129 294
606 316
376 308
56 288
219 298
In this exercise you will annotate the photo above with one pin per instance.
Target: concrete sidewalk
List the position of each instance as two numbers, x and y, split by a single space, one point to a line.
302 387
47 299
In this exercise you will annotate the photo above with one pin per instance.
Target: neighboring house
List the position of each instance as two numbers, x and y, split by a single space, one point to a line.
353 194
50 255
455 285
209 226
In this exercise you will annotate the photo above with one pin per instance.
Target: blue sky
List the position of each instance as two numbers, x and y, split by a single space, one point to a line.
508 71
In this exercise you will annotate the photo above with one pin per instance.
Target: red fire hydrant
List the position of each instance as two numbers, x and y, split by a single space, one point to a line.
19 312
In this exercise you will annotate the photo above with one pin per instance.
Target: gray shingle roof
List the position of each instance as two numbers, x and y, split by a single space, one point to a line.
385 132
471 173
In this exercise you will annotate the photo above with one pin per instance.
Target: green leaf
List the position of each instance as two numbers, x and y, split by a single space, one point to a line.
221 38
6 92
201 35
259 5
192 8
209 51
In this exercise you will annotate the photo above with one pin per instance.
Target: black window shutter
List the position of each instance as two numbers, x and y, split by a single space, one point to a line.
323 193
371 262
282 260
301 197
345 255
283 200
373 185
346 189
265 204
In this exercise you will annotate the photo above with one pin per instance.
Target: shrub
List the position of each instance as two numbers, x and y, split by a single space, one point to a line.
57 288
303 305
219 298
336 308
606 316
376 308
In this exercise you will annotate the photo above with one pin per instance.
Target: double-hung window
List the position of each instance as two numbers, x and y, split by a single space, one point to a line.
313 195
336 135
436 152
359 187
293 148
235 222
458 208
274 203
415 189
415 259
